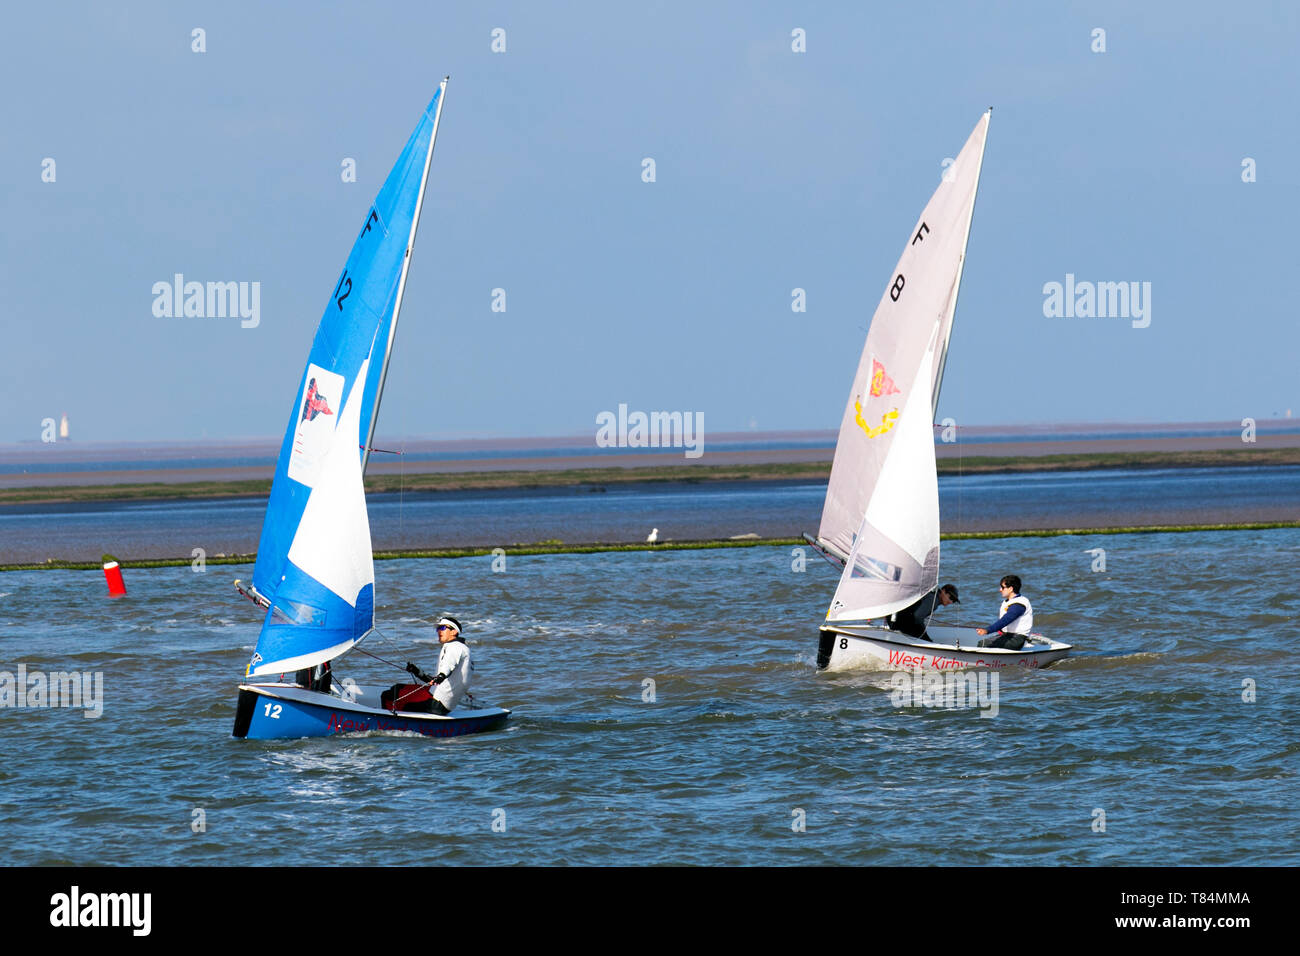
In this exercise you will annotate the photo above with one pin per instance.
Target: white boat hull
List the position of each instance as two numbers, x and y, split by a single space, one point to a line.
870 647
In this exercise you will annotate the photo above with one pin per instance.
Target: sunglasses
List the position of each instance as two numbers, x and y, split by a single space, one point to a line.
445 627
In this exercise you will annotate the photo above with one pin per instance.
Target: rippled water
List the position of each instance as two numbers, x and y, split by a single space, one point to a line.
1145 722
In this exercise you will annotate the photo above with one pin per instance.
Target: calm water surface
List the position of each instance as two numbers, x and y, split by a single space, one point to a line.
1146 722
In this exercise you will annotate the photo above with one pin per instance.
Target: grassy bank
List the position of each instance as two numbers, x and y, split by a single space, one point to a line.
560 547
594 479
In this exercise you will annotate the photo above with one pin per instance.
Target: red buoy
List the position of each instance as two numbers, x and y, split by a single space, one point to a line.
113 574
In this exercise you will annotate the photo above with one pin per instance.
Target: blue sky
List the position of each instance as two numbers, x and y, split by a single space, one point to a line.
775 170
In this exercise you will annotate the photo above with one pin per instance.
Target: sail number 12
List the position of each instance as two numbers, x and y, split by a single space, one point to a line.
343 279
273 710
345 284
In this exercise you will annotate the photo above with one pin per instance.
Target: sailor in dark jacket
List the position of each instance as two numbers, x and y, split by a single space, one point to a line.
912 620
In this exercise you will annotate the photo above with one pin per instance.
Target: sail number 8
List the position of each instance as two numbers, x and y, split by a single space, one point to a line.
897 288
273 710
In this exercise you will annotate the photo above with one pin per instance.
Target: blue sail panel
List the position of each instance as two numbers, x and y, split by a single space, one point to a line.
358 318
308 624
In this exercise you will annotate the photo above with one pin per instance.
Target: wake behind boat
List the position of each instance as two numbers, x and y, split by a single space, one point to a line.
315 568
880 522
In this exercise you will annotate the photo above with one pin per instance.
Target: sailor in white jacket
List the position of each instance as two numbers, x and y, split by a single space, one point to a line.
452 677
1016 617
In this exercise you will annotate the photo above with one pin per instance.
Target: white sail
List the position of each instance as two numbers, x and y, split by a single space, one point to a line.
920 294
895 555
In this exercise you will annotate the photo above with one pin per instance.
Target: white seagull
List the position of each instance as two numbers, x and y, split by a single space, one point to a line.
652 537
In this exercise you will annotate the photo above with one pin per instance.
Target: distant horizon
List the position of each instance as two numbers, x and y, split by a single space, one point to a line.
734 436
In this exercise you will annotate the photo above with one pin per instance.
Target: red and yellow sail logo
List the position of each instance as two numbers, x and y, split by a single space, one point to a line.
887 421
881 384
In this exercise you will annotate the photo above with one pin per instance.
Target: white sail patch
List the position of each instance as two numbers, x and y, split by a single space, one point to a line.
333 539
317 417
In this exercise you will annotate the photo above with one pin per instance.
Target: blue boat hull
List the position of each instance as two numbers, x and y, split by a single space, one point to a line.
266 712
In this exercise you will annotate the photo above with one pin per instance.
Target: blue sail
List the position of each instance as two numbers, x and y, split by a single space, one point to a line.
360 318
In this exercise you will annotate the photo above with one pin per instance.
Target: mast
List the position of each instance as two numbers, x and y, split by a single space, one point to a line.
401 282
961 262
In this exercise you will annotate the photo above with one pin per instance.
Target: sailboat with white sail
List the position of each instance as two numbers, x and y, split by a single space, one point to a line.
315 571
880 521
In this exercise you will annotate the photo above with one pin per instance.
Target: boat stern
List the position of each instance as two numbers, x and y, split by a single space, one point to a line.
825 644
244 712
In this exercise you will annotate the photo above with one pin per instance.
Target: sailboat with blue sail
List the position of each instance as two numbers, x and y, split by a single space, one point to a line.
315 570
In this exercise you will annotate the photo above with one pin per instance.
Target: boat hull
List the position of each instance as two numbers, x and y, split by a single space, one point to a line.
270 711
863 647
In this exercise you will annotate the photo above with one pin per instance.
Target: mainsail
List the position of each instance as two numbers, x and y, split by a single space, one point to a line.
914 317
314 566
360 317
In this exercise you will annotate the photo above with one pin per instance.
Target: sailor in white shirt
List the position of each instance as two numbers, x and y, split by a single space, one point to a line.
452 677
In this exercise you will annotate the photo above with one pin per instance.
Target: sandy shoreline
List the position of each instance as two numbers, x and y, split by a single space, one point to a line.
145 513
71 465
812 463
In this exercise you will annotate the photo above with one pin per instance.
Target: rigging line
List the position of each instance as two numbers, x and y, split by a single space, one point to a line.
959 482
378 658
